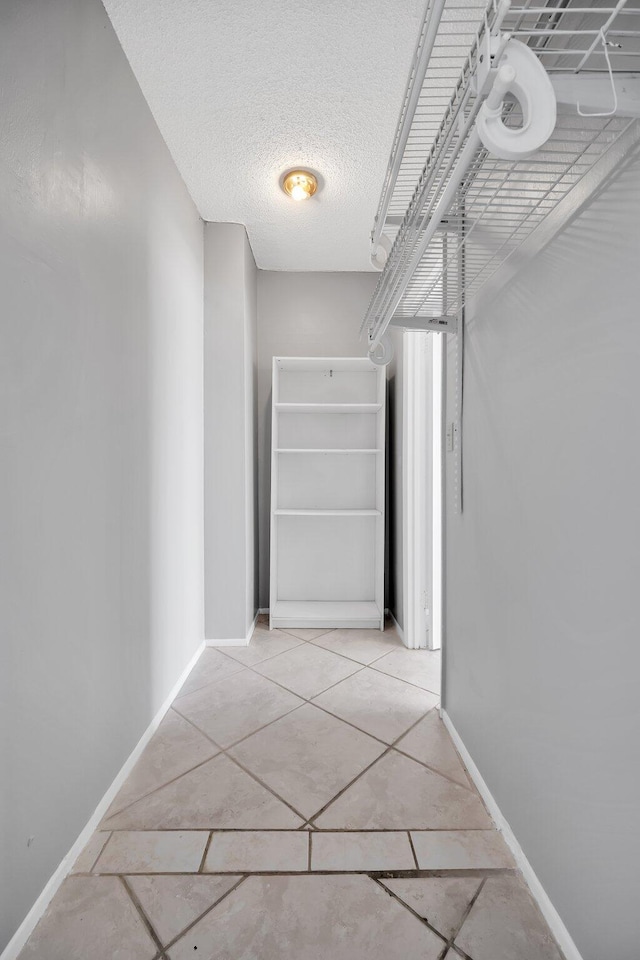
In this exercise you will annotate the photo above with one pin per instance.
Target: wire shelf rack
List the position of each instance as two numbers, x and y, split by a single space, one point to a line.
499 203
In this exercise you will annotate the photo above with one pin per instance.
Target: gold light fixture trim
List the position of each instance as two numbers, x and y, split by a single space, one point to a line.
300 184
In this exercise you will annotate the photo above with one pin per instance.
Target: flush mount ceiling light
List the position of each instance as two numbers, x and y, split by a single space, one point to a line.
299 184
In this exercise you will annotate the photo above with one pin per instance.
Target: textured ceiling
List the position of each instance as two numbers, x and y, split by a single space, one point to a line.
242 90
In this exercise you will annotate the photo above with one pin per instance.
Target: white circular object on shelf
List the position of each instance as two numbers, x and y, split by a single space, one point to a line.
380 253
383 352
527 81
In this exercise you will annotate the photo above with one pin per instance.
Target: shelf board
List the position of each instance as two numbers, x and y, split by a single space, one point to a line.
329 450
328 513
328 407
334 613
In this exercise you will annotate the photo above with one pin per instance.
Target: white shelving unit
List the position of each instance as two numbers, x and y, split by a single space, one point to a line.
327 493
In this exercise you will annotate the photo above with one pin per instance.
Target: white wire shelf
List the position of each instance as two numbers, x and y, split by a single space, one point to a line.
499 203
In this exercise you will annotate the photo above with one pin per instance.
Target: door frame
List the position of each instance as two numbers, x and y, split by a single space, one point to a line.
422 358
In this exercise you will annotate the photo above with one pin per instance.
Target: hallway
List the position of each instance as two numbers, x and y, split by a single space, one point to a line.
301 799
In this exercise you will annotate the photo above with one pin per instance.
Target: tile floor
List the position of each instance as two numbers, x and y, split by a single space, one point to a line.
301 799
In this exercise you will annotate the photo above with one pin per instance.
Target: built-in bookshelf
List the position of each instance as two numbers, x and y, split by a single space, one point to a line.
327 493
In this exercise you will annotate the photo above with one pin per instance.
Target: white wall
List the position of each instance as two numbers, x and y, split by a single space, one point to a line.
230 428
305 315
100 429
542 645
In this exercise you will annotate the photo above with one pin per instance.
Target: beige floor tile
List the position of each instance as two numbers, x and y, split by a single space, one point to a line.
91 852
171 904
420 667
238 706
461 850
264 644
211 666
307 670
430 743
504 923
442 901
90 917
287 918
379 705
361 851
398 793
305 633
307 757
247 851
216 796
365 646
153 851
175 748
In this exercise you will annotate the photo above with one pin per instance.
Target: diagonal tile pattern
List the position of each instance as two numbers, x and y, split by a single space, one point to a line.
212 665
364 646
217 795
379 705
419 667
307 757
306 918
289 805
230 710
397 792
430 743
90 917
504 923
307 670
171 904
443 901
264 644
175 748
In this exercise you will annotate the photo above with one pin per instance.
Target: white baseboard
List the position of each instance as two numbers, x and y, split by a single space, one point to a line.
233 641
263 610
549 912
399 629
27 926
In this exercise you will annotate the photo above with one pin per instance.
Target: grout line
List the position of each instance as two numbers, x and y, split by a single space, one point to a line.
345 788
309 862
144 796
467 912
145 919
292 634
208 829
413 850
320 692
389 748
207 683
435 693
394 896
271 656
407 874
206 851
90 870
235 743
428 766
208 910
97 860
267 787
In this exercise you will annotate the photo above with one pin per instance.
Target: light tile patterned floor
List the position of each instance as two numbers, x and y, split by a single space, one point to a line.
302 799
